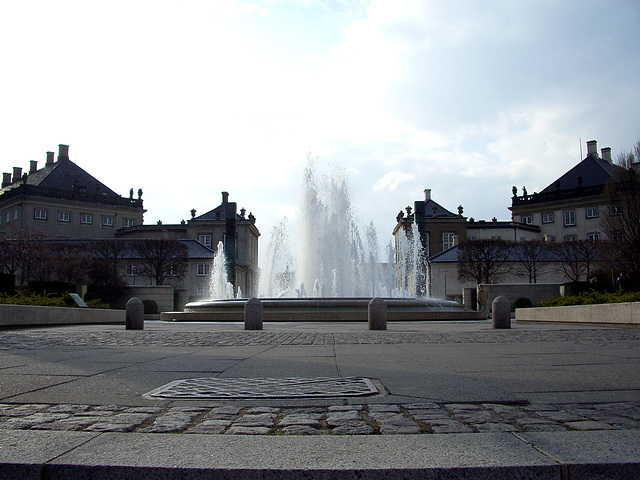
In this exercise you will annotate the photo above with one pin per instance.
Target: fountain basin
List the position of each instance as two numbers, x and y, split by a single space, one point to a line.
322 310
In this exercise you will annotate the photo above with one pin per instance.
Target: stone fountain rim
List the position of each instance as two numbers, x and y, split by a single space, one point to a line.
324 302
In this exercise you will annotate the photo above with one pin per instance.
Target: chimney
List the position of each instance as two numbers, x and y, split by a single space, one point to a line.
33 166
592 147
63 152
225 197
427 194
6 179
606 154
17 174
50 158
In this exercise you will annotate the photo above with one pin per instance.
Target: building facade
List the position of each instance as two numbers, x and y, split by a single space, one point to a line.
571 207
61 201
223 227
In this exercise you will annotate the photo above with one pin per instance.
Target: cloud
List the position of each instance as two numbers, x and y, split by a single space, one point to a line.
391 181
465 98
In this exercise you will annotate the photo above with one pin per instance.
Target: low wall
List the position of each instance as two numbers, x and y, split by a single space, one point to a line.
536 292
608 314
29 315
162 295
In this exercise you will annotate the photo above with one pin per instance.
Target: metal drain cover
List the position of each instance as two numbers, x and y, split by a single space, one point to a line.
292 387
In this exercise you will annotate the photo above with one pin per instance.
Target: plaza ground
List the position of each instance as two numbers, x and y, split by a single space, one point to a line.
451 399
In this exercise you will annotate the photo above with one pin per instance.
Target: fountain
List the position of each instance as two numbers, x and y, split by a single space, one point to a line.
334 274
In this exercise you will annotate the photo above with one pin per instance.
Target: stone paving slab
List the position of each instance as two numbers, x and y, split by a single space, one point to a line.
372 419
459 399
117 456
39 455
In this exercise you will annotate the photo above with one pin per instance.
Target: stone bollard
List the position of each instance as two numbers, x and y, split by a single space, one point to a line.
135 314
253 314
501 312
377 314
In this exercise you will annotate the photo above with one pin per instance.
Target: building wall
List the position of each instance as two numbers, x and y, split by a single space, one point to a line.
19 213
162 295
436 228
556 229
508 231
443 279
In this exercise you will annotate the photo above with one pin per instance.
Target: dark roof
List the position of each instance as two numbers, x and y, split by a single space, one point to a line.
64 175
195 250
587 178
198 250
451 256
440 211
593 171
218 213
448 255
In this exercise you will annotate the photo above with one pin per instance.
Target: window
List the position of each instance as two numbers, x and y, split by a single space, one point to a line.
86 219
593 236
447 240
205 240
128 222
496 237
173 271
8 217
15 214
569 218
200 291
107 221
64 217
528 220
615 210
132 270
570 238
592 212
547 217
203 269
40 214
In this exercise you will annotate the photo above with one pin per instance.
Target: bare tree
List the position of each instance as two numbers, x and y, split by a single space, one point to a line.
108 256
622 224
577 259
626 159
529 255
66 261
20 254
483 260
160 258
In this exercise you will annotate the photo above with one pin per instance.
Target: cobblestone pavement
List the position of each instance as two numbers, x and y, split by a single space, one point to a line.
372 419
27 339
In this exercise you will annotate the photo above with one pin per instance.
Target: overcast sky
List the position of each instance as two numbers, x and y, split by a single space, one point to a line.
187 99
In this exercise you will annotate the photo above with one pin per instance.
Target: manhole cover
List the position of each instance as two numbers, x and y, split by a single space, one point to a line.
203 388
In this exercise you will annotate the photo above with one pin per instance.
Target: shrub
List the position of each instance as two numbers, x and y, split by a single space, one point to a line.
591 298
150 307
46 300
522 302
52 287
43 300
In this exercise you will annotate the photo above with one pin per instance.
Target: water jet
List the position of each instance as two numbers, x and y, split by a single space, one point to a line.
334 274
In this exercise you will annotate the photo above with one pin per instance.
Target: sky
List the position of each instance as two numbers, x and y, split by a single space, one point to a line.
187 99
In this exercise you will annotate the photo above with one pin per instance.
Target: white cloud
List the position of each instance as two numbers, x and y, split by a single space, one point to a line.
187 100
391 181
